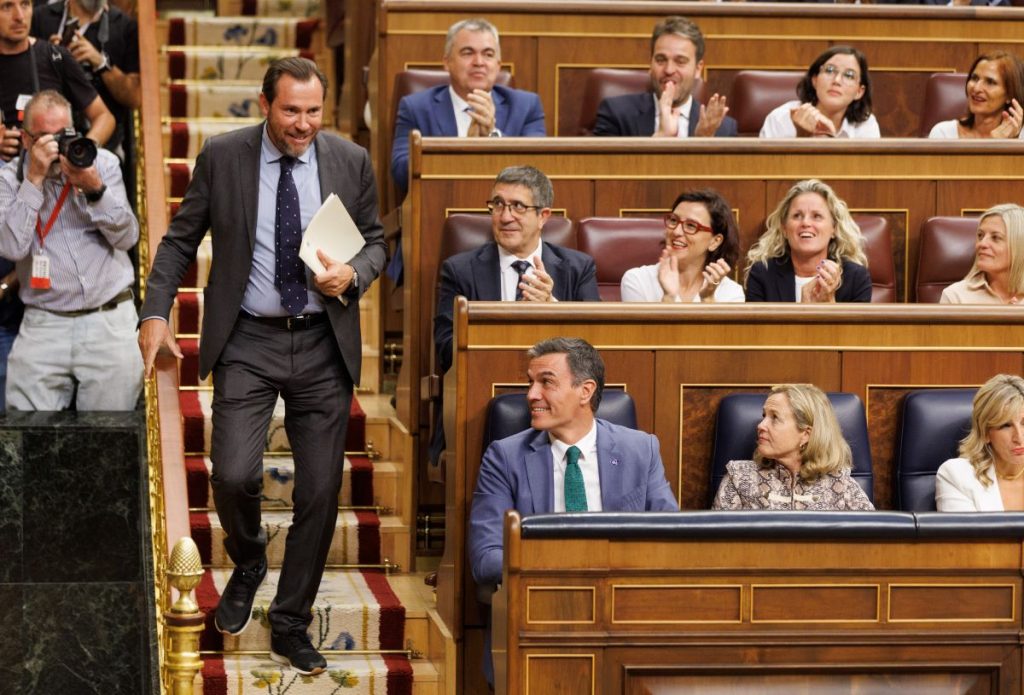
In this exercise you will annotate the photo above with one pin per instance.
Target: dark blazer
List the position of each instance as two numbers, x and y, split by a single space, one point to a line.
516 114
774 282
633 115
516 473
222 198
476 275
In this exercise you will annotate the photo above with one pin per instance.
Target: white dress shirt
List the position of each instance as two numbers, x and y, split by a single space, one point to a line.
509 276
779 124
588 466
683 120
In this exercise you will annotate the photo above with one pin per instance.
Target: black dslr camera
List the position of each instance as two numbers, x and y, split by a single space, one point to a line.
79 150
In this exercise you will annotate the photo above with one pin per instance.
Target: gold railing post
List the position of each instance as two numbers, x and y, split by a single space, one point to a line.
184 621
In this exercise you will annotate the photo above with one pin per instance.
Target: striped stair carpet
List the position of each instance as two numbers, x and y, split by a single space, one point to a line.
213 68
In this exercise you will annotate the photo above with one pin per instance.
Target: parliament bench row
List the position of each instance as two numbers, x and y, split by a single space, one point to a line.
620 243
932 423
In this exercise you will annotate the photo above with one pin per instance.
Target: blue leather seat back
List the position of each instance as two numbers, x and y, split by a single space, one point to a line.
509 413
933 423
735 435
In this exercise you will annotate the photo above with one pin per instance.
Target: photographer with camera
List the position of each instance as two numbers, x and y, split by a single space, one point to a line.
65 219
28 66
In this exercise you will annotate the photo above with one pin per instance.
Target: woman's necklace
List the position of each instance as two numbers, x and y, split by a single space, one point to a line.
1016 476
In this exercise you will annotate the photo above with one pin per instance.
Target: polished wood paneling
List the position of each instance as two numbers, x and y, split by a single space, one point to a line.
778 616
679 361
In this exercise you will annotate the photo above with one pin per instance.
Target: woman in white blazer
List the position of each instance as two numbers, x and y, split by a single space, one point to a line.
989 475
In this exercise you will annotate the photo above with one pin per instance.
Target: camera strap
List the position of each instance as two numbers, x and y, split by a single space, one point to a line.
41 230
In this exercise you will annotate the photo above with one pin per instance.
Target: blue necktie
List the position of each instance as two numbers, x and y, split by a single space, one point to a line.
520 267
289 273
575 494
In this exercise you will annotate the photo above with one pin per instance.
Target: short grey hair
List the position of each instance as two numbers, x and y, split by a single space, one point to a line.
474 24
583 358
531 178
44 101
680 26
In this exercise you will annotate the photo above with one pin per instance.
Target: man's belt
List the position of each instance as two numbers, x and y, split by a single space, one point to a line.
287 323
109 306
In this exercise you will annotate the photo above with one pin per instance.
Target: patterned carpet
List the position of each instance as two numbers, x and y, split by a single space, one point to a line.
213 67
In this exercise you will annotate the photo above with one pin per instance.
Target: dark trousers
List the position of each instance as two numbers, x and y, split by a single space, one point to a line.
306 368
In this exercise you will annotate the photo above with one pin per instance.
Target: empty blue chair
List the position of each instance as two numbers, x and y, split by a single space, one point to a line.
933 423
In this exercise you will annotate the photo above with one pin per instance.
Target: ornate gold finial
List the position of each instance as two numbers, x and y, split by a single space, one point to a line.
185 570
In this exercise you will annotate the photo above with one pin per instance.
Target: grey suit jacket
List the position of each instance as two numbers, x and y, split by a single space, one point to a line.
516 474
222 198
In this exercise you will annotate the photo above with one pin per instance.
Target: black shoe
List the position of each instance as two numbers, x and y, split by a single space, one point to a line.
235 608
294 649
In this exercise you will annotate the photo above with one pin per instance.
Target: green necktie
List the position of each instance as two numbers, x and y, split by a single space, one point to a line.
575 494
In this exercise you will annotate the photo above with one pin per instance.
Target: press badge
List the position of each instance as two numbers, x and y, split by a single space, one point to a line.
20 105
40 272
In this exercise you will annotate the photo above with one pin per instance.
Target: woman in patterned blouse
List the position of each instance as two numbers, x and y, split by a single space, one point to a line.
801 462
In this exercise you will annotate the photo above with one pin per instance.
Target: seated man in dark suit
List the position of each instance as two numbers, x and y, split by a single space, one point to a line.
669 110
472 105
516 266
570 461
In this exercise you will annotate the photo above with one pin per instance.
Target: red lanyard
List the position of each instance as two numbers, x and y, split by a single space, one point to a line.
43 231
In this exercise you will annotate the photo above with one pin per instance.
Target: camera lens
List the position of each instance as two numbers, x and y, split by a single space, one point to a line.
79 150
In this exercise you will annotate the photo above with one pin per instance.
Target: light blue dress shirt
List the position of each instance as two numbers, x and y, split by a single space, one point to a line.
261 296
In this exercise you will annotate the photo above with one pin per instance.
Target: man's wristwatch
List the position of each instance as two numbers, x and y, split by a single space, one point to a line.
355 278
95 196
103 66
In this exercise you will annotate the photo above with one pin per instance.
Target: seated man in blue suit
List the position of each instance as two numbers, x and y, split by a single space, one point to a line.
471 105
516 266
569 461
669 110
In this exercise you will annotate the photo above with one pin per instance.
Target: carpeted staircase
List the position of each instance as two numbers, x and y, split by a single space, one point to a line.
214 68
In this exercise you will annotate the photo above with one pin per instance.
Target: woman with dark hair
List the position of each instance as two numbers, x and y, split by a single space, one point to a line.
995 89
701 245
835 100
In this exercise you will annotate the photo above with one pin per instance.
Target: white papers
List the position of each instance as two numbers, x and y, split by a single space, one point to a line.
332 231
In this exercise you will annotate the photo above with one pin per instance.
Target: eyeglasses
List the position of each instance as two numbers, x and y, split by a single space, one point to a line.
497 207
690 227
831 71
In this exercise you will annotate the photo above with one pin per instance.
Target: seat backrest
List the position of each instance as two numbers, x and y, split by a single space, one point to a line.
603 83
945 97
617 244
756 93
465 231
933 423
509 413
946 254
735 436
878 247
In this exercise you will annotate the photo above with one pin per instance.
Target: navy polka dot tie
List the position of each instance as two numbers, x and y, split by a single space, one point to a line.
289 273
520 267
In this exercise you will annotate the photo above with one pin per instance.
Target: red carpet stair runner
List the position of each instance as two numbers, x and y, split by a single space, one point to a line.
214 66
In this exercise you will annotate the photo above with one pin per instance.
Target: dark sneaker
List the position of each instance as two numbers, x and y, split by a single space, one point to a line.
294 649
235 608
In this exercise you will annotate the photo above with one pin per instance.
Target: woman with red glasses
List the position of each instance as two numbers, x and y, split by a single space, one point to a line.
811 251
701 245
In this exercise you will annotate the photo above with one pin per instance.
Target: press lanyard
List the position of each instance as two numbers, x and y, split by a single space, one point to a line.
43 231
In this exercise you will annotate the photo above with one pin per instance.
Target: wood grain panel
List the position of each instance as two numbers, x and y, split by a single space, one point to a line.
953 603
669 604
559 674
550 605
814 604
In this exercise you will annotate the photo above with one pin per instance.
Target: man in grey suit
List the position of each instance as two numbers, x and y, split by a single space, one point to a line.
270 329
569 461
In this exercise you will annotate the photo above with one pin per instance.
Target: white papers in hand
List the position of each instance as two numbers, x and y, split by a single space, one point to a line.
332 231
